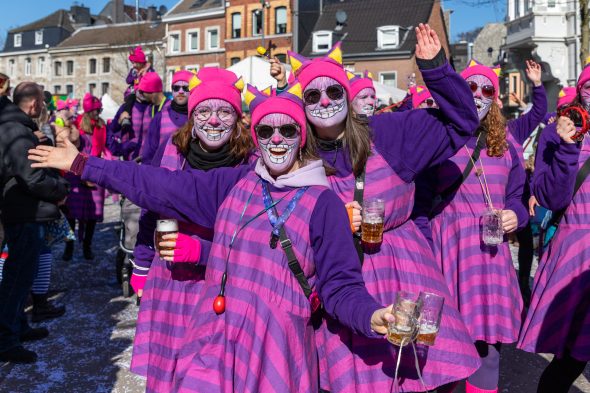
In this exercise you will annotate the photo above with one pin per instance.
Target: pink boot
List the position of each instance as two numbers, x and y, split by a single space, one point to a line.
469 388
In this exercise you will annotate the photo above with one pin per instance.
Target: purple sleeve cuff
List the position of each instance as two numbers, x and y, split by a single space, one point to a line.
79 164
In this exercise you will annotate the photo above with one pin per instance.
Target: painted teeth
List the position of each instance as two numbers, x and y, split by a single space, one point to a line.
326 113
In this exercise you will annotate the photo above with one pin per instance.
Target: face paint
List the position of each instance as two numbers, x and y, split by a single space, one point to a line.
180 92
482 102
585 95
364 102
214 121
279 153
325 112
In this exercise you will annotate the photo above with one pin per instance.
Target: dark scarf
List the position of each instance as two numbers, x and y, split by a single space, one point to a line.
201 159
183 109
332 145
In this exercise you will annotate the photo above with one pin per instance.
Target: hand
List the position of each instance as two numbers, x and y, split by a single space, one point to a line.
54 157
61 134
278 71
515 98
184 248
41 136
428 44
354 215
533 72
4 86
566 129
124 115
532 204
138 283
551 120
509 221
381 318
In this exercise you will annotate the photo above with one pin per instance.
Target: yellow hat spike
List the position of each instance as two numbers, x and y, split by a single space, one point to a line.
336 54
239 84
472 63
419 90
249 97
295 64
194 82
296 90
561 93
370 75
267 91
350 75
497 71
587 60
177 69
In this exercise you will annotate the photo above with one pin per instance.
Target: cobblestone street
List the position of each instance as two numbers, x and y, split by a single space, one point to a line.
89 349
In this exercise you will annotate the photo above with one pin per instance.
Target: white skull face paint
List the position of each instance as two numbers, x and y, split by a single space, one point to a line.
325 102
364 102
278 141
180 92
482 102
585 95
214 121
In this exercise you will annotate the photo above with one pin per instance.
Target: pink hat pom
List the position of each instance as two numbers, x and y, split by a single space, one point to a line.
150 83
182 76
137 56
91 103
476 68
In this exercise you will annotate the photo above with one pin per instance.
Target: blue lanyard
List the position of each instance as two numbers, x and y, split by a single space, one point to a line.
278 222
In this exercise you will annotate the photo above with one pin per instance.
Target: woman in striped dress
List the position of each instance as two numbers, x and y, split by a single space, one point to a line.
252 331
558 320
169 287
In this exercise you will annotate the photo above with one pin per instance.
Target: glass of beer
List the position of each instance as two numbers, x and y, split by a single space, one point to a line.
492 232
165 227
405 311
430 316
372 225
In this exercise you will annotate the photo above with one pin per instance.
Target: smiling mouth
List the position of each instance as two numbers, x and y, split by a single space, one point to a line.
214 134
368 109
478 104
326 113
278 153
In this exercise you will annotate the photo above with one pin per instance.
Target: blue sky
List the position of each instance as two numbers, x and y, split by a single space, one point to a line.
467 14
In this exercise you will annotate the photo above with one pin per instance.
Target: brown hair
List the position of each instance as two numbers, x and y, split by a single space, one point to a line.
495 125
240 144
86 124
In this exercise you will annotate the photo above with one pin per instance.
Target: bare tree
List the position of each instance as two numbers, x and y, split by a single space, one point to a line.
585 28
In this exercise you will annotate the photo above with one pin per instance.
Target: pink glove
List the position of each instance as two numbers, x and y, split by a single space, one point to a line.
137 282
187 249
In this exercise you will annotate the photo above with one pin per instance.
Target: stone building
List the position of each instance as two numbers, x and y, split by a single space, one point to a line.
486 46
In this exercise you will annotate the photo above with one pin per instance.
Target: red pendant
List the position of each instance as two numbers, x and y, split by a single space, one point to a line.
219 305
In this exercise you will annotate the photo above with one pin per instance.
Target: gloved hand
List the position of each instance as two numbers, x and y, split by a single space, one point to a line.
137 283
186 248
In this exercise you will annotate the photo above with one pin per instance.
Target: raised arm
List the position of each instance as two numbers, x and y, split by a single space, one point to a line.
524 126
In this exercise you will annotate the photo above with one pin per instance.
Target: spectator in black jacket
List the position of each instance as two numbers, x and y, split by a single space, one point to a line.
28 198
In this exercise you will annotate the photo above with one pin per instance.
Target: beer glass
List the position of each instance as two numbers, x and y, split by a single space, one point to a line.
492 231
372 225
430 316
165 227
405 311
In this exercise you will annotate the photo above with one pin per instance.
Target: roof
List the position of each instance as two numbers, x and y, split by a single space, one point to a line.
129 10
364 17
116 34
60 18
191 6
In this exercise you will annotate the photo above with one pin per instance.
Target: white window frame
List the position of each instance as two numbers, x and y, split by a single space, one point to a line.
65 67
40 66
96 87
96 66
169 75
11 67
28 66
189 41
382 74
53 68
73 89
232 25
102 65
18 40
192 67
108 87
55 89
286 19
381 35
171 34
211 65
208 30
39 37
252 13
316 35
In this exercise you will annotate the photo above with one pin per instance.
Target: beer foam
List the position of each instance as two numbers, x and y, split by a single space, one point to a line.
167 226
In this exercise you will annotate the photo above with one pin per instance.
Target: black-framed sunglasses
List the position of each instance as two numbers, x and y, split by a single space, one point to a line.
429 102
313 96
288 131
177 88
487 91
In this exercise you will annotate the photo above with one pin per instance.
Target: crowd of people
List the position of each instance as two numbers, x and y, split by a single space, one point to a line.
267 282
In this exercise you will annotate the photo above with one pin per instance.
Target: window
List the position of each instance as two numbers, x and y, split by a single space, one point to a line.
28 67
322 41
106 65
174 43
213 38
550 4
257 22
57 68
11 67
91 88
282 57
388 37
41 66
234 60
70 90
70 67
193 40
280 20
388 78
39 37
236 25
92 66
18 40
104 88
57 89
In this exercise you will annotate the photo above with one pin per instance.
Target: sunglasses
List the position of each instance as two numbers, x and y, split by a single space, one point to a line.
487 91
288 131
429 102
177 88
313 96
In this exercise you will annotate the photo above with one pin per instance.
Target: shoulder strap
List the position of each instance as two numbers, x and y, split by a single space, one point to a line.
359 190
580 178
294 263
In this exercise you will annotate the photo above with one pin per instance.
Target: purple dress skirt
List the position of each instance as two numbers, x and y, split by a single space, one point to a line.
84 203
352 363
481 279
558 320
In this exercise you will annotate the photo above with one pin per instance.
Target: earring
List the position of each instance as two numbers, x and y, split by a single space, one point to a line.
300 156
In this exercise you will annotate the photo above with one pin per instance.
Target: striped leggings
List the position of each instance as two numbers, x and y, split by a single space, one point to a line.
41 283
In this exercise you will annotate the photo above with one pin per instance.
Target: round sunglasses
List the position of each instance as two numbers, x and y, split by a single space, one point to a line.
487 91
288 131
177 88
313 96
429 102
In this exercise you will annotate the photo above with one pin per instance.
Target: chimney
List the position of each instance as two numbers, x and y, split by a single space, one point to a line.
152 13
118 11
80 15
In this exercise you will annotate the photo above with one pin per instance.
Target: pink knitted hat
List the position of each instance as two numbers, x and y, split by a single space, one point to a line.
137 56
566 96
289 102
476 68
583 78
358 83
213 82
419 95
61 105
150 83
90 103
330 65
182 75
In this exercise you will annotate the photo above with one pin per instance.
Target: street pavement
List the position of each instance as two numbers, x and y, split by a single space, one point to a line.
89 349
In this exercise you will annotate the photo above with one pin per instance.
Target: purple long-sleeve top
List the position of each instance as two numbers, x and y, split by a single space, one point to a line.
556 168
522 127
128 149
153 135
195 196
132 75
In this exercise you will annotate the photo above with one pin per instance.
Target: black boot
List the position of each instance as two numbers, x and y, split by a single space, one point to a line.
43 309
68 251
87 243
18 355
34 334
525 290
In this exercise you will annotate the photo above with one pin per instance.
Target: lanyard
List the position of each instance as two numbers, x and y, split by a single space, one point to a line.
159 107
278 222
